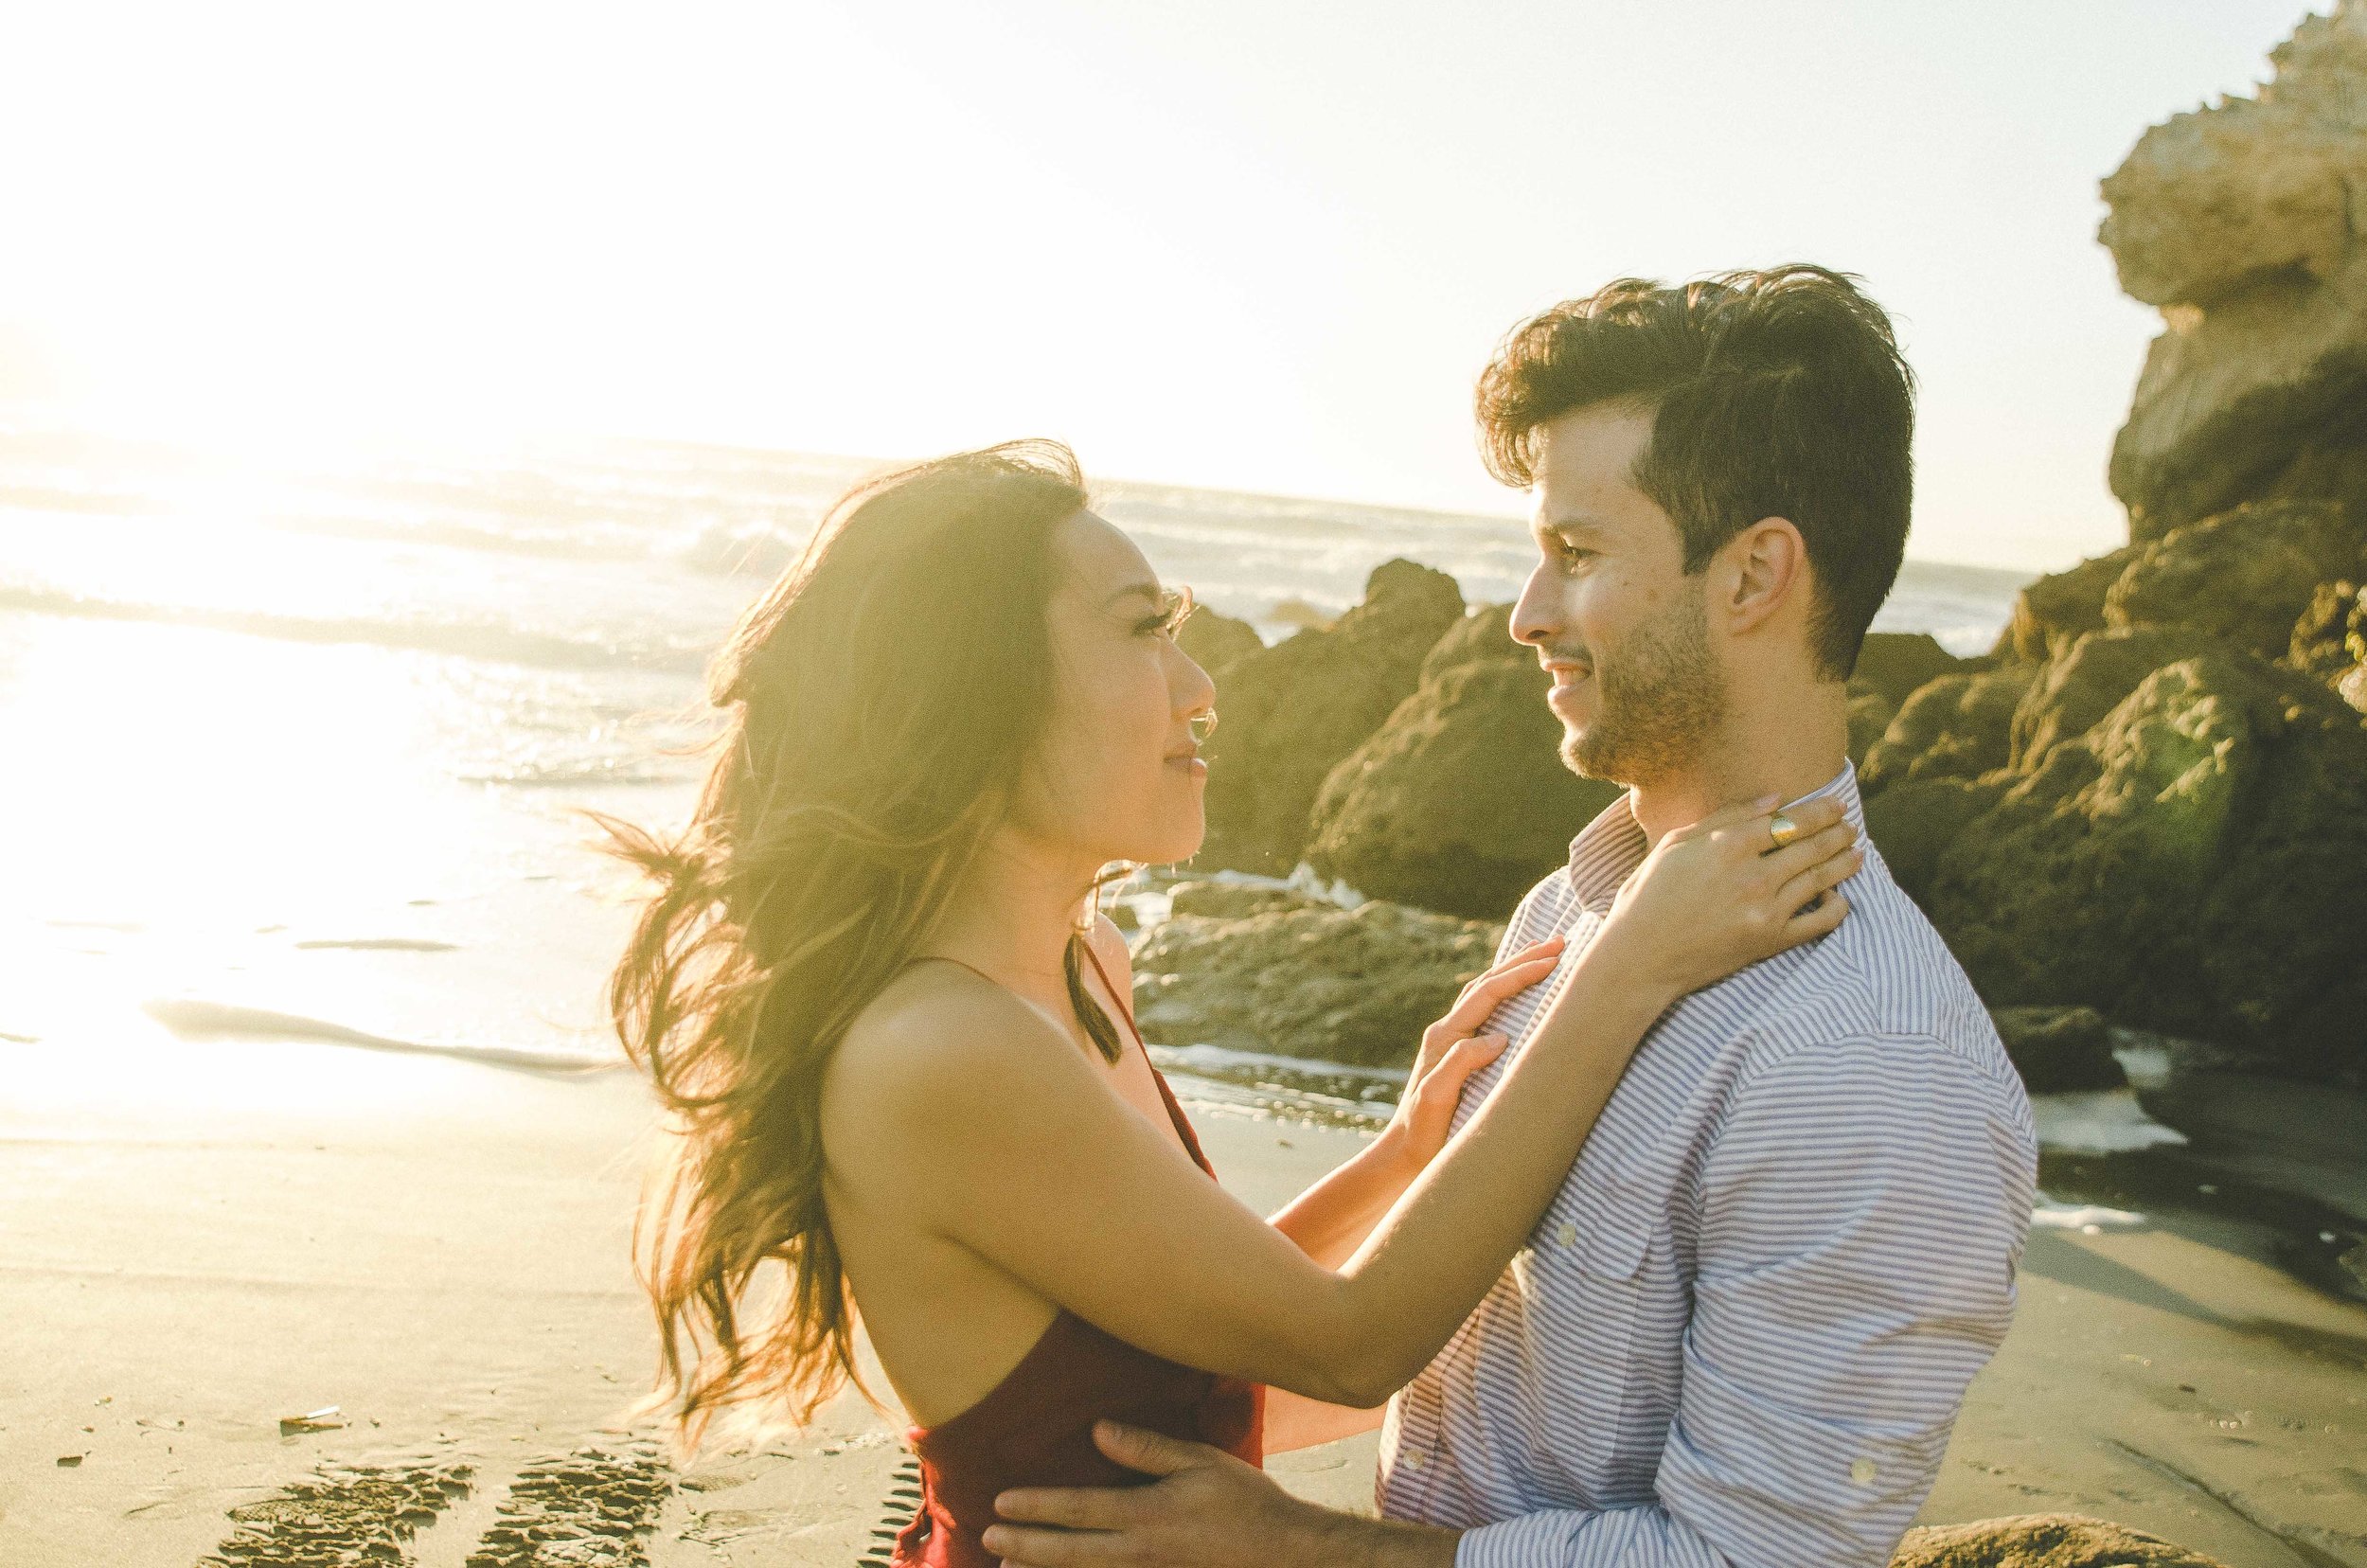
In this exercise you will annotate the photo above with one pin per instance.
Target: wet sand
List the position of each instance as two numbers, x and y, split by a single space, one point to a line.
439 1250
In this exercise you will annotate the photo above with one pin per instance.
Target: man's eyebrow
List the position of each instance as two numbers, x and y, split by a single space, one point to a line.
1573 524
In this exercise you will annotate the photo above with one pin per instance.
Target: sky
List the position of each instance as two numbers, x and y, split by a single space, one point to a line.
1252 244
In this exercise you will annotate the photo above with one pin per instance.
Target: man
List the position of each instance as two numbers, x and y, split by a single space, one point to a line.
1741 1335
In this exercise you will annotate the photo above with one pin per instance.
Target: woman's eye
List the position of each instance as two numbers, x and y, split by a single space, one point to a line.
1175 607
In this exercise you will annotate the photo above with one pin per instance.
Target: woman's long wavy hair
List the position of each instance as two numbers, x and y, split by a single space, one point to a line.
882 700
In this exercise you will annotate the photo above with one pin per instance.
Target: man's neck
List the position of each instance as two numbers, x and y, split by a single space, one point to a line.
1786 750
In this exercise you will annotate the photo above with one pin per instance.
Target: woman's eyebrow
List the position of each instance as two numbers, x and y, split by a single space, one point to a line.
1151 591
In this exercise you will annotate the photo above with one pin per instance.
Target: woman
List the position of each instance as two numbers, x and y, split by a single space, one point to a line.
872 988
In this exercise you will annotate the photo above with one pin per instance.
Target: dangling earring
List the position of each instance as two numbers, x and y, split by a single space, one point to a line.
1089 913
1204 724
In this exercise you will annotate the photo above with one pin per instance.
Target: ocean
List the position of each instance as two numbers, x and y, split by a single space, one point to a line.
297 750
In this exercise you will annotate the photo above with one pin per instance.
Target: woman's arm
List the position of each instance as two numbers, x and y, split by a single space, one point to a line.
1295 1422
1095 1208
1330 1220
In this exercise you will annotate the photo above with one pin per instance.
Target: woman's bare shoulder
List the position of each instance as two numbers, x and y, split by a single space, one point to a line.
926 1048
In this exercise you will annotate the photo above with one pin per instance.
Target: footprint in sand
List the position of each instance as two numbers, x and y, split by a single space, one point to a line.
595 1507
341 1514
591 1509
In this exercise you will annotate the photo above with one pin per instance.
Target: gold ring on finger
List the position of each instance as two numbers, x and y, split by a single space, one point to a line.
1783 829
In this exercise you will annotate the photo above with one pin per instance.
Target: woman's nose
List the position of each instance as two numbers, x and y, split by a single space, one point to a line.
1193 688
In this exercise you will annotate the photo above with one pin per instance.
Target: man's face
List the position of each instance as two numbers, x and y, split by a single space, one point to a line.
1613 617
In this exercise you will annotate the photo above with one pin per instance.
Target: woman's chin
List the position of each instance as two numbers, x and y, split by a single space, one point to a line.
1179 844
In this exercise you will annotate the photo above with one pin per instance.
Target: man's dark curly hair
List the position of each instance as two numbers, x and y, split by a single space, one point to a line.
1778 393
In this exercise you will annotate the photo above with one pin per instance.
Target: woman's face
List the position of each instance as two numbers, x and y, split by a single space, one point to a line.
1116 775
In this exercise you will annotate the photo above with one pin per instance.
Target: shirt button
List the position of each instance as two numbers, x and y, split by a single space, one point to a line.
1413 1459
1862 1473
1567 1235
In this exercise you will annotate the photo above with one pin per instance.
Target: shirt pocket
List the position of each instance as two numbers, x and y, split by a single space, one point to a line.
1587 1288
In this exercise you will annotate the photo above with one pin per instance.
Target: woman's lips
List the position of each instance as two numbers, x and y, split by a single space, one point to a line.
1189 762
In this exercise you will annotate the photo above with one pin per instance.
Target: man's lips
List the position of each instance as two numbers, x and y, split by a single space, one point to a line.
1568 672
1568 676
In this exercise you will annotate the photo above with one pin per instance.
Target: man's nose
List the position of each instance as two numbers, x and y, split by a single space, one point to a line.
1536 617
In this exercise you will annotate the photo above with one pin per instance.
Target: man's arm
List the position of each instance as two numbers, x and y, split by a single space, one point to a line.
1207 1509
1863 1210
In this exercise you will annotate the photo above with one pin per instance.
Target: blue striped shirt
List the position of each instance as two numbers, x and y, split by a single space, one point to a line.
1739 1337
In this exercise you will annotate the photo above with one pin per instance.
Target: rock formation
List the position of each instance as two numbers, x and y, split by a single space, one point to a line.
1959 726
2331 640
2041 1540
2188 863
2059 1048
1357 986
2092 678
1226 900
1290 712
1217 642
2243 576
1899 664
2236 221
2174 828
1460 801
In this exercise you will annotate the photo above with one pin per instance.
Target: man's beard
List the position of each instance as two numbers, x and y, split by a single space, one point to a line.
1655 704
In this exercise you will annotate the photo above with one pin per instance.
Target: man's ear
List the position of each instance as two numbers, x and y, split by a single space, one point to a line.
1766 570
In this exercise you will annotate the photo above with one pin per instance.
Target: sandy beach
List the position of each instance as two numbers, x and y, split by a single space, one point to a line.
438 1250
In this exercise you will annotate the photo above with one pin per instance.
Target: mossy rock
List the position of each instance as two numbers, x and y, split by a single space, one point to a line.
2057 610
1914 823
2089 679
1233 901
2041 1540
2191 863
2243 577
1959 726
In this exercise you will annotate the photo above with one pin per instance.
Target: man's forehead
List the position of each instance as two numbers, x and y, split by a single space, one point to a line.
1585 470
1591 447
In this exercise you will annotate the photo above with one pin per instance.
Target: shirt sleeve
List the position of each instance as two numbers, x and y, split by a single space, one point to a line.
1863 1210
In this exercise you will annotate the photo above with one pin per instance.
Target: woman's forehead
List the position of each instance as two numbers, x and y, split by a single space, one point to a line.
1100 556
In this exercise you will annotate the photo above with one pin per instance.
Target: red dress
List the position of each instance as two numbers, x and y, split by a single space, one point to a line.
1035 1429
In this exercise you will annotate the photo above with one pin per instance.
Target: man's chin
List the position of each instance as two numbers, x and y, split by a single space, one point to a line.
1588 761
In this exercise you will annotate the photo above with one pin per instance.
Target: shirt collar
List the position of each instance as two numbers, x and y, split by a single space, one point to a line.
1607 849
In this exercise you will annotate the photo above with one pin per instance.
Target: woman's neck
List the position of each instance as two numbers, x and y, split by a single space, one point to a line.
1013 914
